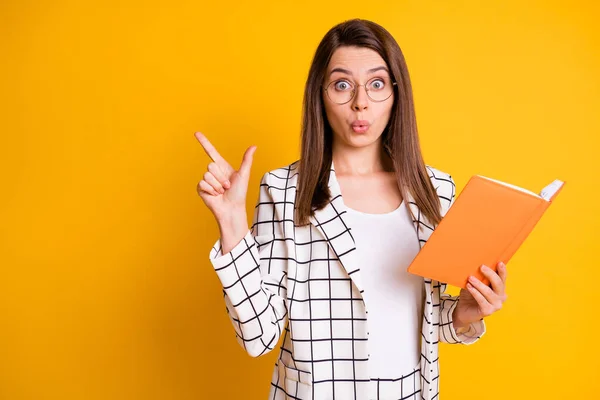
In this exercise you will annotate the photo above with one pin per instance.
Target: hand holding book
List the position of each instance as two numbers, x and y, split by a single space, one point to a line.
480 300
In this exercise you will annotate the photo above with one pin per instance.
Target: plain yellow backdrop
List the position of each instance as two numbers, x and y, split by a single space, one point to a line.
106 290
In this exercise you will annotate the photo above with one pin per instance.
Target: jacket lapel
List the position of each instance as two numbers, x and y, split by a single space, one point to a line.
332 222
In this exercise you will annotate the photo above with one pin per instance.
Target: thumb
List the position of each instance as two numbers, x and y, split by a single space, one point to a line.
247 161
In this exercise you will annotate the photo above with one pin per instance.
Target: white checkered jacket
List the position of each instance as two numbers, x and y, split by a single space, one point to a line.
297 281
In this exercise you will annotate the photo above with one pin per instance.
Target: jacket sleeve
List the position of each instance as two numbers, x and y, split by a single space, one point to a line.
254 278
448 303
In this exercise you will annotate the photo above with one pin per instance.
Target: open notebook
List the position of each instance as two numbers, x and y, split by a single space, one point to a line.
487 223
546 193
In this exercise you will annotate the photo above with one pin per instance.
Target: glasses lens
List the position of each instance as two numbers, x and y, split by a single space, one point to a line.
340 91
378 89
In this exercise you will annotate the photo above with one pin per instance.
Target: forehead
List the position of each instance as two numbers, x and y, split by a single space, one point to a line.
356 59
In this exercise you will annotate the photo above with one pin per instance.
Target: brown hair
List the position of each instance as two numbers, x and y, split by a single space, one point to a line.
400 137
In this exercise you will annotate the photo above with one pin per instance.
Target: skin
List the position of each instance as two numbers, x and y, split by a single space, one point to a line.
360 162
361 167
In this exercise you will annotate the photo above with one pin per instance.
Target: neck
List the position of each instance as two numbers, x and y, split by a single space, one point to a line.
365 160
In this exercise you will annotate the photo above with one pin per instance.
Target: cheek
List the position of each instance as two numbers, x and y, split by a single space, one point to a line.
384 114
335 115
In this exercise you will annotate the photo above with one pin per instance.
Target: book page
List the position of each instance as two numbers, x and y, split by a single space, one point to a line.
546 193
512 186
551 189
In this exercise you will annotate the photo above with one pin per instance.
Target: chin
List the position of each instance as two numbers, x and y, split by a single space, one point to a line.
361 139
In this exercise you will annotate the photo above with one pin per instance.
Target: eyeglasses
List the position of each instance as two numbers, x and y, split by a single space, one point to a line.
342 91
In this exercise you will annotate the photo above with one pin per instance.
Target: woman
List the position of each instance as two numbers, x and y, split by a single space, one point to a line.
333 234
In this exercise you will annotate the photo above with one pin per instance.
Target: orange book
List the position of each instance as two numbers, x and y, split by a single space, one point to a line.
487 223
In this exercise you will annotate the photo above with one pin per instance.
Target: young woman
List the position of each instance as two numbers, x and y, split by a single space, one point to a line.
324 262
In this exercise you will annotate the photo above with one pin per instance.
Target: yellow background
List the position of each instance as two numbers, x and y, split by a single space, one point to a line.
106 290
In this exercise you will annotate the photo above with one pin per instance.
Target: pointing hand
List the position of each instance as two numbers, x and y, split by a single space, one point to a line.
223 189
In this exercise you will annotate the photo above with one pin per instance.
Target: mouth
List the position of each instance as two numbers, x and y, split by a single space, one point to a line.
360 126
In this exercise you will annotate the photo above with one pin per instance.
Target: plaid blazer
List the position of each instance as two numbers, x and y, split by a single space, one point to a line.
298 281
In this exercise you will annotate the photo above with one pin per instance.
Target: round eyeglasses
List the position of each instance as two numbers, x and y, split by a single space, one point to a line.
342 91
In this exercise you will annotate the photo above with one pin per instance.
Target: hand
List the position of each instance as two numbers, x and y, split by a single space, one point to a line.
224 189
480 300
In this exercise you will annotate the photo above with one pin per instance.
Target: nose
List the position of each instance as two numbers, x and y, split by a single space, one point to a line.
361 100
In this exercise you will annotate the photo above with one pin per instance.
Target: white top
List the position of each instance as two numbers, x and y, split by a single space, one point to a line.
385 246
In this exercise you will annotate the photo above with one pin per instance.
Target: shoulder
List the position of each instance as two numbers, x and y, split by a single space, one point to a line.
438 177
443 184
283 177
284 172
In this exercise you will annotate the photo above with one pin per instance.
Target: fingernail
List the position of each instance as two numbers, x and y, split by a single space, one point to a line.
227 184
469 285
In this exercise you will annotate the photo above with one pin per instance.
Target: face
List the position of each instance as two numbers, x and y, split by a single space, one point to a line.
361 66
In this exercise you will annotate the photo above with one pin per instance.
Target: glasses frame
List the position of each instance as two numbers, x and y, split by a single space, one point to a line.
355 90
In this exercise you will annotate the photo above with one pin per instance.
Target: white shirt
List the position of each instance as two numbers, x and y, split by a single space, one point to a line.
385 245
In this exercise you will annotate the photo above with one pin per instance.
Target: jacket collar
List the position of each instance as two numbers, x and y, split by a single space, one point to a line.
333 223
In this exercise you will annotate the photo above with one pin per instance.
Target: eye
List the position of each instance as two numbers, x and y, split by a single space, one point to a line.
342 86
377 84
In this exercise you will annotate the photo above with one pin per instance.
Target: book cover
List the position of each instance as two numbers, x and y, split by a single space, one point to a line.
487 223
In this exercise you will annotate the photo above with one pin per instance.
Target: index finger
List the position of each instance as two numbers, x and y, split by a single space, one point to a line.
208 147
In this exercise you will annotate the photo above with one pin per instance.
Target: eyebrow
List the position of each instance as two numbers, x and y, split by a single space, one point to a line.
345 71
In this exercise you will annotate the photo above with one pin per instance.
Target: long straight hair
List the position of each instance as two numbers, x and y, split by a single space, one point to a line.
400 137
